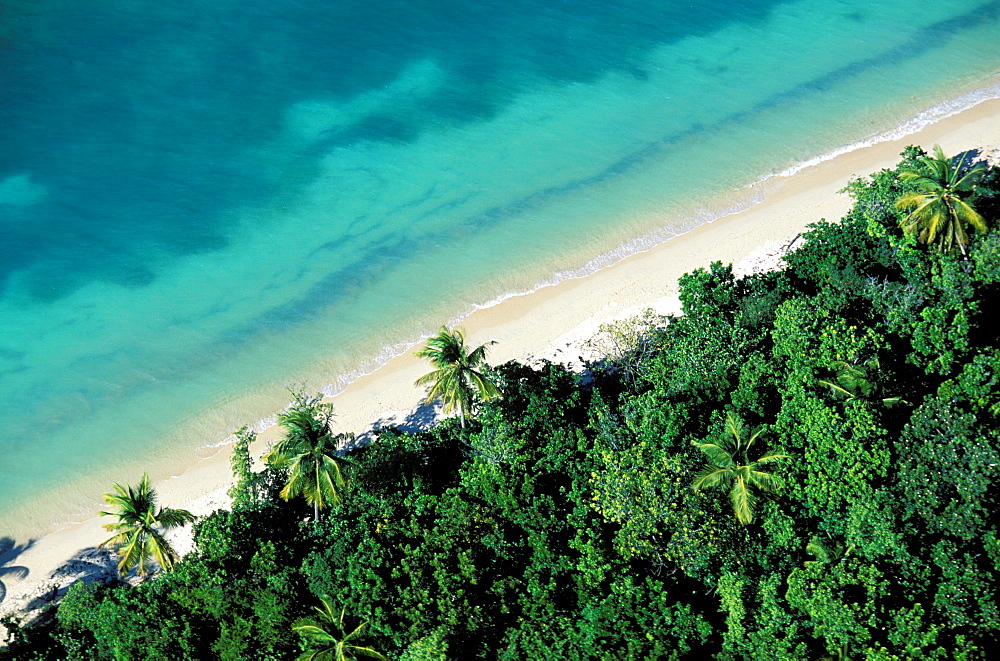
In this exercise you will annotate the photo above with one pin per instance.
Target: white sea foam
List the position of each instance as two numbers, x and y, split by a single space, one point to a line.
924 119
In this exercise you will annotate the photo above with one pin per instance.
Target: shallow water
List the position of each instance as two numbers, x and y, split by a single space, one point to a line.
200 207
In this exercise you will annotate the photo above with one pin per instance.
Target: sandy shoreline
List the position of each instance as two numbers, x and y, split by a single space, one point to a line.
551 323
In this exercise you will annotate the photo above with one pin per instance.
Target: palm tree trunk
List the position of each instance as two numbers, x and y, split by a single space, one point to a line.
461 415
315 511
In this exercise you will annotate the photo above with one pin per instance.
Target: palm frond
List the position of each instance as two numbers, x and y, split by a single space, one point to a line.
734 427
711 477
368 652
970 178
326 611
762 480
356 631
174 518
432 377
743 500
719 456
293 487
130 553
890 402
328 481
484 386
314 633
158 546
818 549
774 456
756 433
119 538
332 466
276 457
478 355
915 201
965 213
313 655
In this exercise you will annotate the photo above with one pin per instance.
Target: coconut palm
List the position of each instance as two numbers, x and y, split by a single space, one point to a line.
458 375
938 214
324 644
728 467
137 536
827 551
309 452
305 422
857 382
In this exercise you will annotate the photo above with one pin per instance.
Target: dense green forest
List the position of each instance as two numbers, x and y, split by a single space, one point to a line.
801 466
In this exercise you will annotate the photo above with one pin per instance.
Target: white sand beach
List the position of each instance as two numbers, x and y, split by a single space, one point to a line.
552 323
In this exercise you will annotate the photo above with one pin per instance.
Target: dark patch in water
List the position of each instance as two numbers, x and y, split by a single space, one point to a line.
332 291
141 121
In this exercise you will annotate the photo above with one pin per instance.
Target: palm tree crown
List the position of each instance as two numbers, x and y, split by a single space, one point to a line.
309 452
728 467
326 646
859 382
827 551
938 214
135 533
457 376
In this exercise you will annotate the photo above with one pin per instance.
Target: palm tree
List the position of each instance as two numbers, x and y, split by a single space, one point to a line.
938 214
309 452
457 376
728 467
827 551
325 645
853 382
136 535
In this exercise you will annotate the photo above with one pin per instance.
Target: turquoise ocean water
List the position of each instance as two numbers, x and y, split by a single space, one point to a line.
202 203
